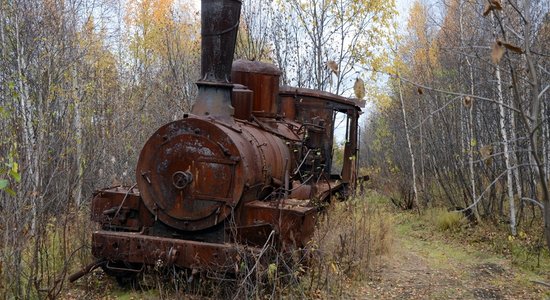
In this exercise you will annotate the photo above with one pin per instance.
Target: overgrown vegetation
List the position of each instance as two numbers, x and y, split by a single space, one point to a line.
59 248
445 220
348 244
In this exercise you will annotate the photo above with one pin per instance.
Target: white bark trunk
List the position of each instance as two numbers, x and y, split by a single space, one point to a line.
411 153
545 142
514 158
463 135
3 77
2 43
504 133
29 134
471 144
471 157
78 139
471 122
423 183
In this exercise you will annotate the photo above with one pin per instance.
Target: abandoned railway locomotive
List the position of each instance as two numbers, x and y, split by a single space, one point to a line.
251 163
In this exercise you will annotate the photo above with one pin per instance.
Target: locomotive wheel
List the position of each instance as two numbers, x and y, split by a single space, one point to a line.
124 281
126 274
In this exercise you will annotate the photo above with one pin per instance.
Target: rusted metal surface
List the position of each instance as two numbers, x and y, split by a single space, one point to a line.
204 151
287 108
351 148
220 161
242 99
293 221
159 251
219 25
194 173
263 80
290 91
315 109
120 207
214 99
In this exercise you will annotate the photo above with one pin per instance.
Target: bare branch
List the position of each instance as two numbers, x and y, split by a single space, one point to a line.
544 91
489 187
456 94
533 201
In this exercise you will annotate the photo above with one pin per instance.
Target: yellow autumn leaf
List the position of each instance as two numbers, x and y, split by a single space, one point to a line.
359 88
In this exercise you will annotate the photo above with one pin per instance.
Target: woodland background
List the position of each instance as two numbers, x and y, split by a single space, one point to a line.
458 106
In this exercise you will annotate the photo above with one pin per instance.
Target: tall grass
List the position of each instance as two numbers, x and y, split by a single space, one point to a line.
445 220
347 243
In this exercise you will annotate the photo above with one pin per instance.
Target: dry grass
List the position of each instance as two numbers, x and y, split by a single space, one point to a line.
445 220
347 244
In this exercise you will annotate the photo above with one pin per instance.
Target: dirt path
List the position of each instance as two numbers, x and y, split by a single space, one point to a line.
422 269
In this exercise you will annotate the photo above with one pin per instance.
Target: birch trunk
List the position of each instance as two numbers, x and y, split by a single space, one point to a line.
504 133
471 145
506 142
78 139
545 140
514 158
3 77
422 172
29 134
411 153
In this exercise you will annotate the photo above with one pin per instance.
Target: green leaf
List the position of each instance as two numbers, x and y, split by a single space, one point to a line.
15 175
10 191
3 183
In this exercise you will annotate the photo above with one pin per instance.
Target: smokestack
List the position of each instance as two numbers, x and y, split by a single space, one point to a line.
219 25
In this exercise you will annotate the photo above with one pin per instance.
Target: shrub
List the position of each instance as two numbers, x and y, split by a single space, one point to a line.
448 220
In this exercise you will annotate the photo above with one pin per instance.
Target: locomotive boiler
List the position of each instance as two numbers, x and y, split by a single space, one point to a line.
252 163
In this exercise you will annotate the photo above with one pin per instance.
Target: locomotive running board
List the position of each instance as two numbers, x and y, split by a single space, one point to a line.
159 251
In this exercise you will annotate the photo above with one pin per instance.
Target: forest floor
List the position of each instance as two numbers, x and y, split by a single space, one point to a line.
474 262
430 264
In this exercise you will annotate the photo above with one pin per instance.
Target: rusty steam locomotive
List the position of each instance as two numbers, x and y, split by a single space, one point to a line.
251 162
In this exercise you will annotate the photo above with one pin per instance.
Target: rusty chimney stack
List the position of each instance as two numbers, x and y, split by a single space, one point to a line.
219 25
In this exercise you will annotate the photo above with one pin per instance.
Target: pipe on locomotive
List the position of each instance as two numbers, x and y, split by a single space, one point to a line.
219 25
